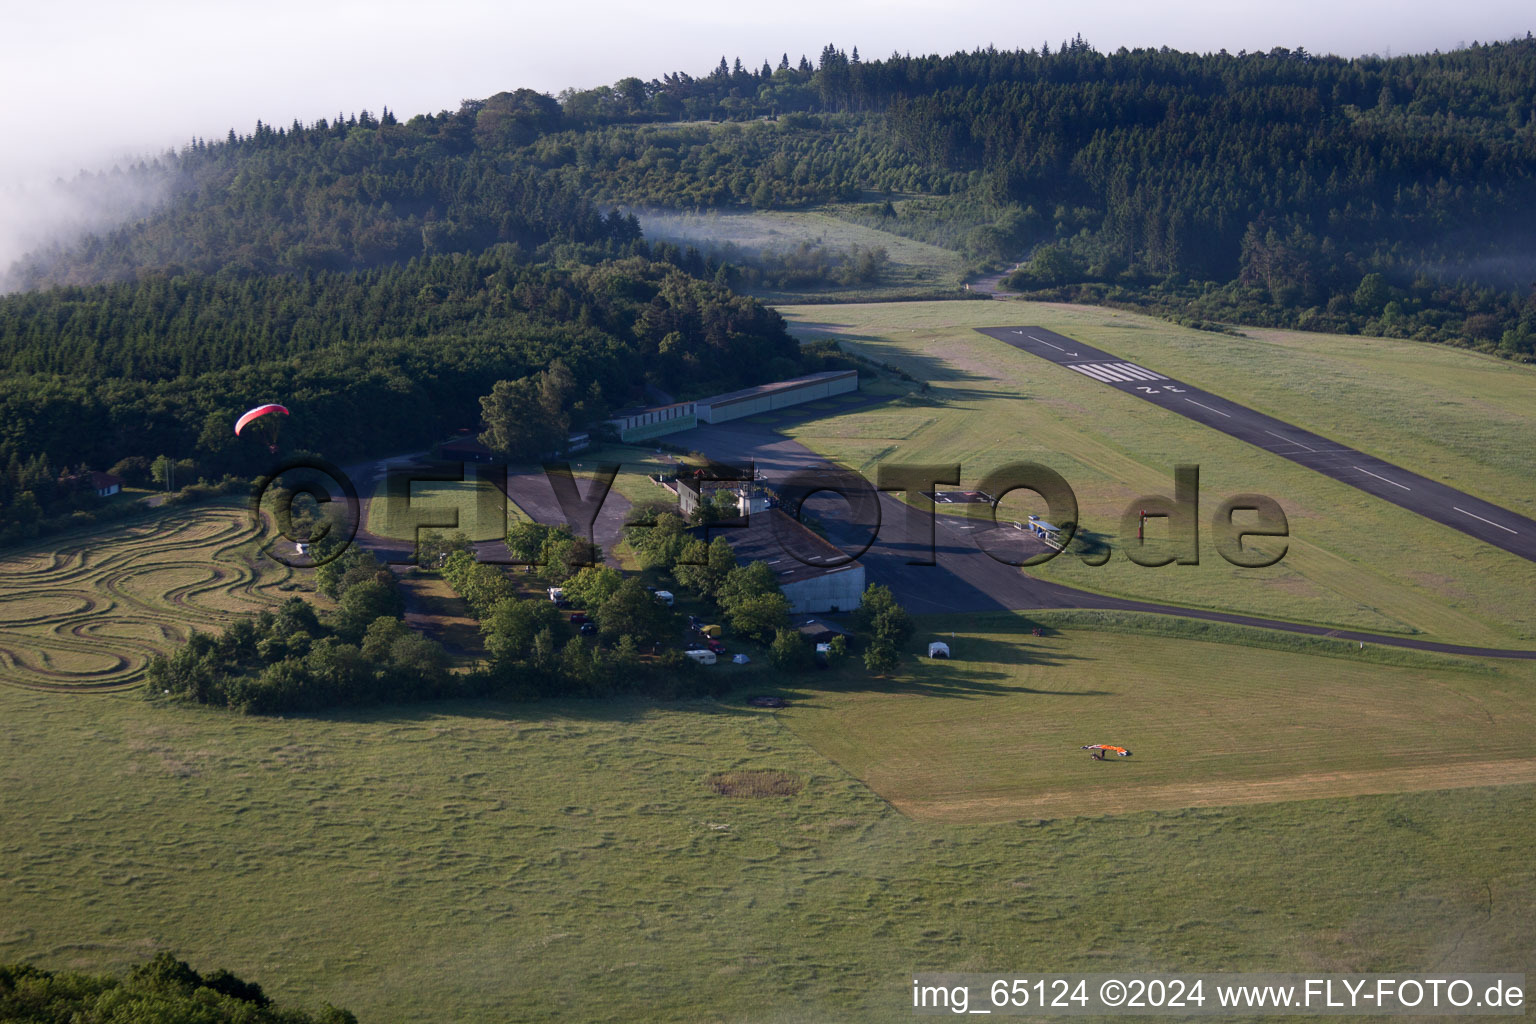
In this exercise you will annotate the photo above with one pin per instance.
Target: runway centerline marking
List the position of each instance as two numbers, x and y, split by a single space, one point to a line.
1218 412
1490 522
1394 483
1042 341
1287 440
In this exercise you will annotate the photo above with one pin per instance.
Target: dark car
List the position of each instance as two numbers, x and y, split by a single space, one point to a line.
588 628
693 646
562 603
579 617
715 645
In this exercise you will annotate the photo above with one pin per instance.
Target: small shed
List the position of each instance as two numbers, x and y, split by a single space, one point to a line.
938 649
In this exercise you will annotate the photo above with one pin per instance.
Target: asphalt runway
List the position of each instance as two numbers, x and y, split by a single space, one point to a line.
1461 511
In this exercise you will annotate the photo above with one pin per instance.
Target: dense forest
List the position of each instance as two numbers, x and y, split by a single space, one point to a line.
163 990
384 360
382 276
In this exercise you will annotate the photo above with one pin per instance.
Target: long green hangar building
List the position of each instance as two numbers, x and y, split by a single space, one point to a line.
654 421
767 397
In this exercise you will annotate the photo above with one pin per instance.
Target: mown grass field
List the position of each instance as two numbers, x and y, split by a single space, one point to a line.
915 268
1353 561
90 608
572 861
995 734
483 511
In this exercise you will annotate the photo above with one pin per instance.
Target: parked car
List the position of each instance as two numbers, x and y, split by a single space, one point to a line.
715 645
579 617
562 603
588 628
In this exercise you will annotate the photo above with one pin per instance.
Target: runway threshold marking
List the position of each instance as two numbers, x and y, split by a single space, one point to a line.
1394 483
1490 522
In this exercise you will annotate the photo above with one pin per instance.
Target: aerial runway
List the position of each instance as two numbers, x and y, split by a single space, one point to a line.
1460 511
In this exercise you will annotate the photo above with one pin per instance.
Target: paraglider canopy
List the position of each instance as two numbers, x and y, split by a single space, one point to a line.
1108 749
257 413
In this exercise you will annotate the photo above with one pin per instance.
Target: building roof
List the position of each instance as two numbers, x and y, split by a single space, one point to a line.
776 538
746 394
818 629
101 481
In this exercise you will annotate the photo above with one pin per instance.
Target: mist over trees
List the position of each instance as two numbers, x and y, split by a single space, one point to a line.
387 274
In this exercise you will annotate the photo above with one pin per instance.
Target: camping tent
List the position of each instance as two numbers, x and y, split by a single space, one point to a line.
938 649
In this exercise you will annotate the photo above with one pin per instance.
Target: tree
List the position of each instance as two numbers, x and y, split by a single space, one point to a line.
563 555
525 539
592 585
884 619
361 605
1372 294
518 424
880 658
789 652
514 624
703 569
633 611
759 616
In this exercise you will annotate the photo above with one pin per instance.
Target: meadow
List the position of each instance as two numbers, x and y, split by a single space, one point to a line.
88 609
1353 561
575 861
916 269
994 734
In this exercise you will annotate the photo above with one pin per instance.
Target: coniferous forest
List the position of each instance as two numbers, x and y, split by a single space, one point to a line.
381 274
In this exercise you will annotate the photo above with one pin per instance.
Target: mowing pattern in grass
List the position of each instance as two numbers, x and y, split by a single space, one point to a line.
757 782
90 611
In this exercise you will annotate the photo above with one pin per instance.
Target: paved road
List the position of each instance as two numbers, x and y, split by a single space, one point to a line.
1461 511
964 577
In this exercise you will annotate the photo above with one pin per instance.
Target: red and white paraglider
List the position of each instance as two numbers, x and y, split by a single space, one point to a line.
262 423
1101 750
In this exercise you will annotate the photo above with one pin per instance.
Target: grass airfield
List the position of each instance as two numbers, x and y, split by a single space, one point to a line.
570 861
994 734
1353 561
1291 805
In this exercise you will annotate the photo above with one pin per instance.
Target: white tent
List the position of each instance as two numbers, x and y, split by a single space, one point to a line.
938 649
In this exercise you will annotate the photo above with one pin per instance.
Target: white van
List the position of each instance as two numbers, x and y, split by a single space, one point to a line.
702 657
